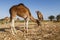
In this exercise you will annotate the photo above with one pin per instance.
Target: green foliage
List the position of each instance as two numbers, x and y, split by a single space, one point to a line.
51 17
58 17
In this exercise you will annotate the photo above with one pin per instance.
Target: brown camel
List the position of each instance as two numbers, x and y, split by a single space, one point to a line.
40 16
22 11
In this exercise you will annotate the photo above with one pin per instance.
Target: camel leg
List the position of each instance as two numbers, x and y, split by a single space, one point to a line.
27 20
13 27
24 24
27 24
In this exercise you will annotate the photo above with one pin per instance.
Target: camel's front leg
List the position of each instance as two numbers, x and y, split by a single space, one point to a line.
27 20
13 27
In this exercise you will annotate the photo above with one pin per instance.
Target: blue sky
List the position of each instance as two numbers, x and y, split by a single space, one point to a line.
46 7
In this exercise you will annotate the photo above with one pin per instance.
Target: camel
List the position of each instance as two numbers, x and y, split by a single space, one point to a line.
40 16
22 11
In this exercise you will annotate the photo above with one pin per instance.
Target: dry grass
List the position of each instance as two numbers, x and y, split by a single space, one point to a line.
48 31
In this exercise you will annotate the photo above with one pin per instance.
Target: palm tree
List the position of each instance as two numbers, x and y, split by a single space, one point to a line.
58 17
51 17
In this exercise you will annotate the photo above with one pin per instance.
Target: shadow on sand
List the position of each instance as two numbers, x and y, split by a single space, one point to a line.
3 29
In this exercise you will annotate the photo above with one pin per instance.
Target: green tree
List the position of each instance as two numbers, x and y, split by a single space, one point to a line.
51 17
58 17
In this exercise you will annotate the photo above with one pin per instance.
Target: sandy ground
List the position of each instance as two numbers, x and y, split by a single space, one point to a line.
48 31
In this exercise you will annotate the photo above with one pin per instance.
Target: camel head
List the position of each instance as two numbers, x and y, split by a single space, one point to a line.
40 18
39 15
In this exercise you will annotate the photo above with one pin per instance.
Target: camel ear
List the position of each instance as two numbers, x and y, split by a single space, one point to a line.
36 11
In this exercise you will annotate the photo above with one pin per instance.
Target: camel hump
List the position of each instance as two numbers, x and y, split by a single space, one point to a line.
20 4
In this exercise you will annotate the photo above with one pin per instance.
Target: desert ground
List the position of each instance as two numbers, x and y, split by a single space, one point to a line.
47 31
